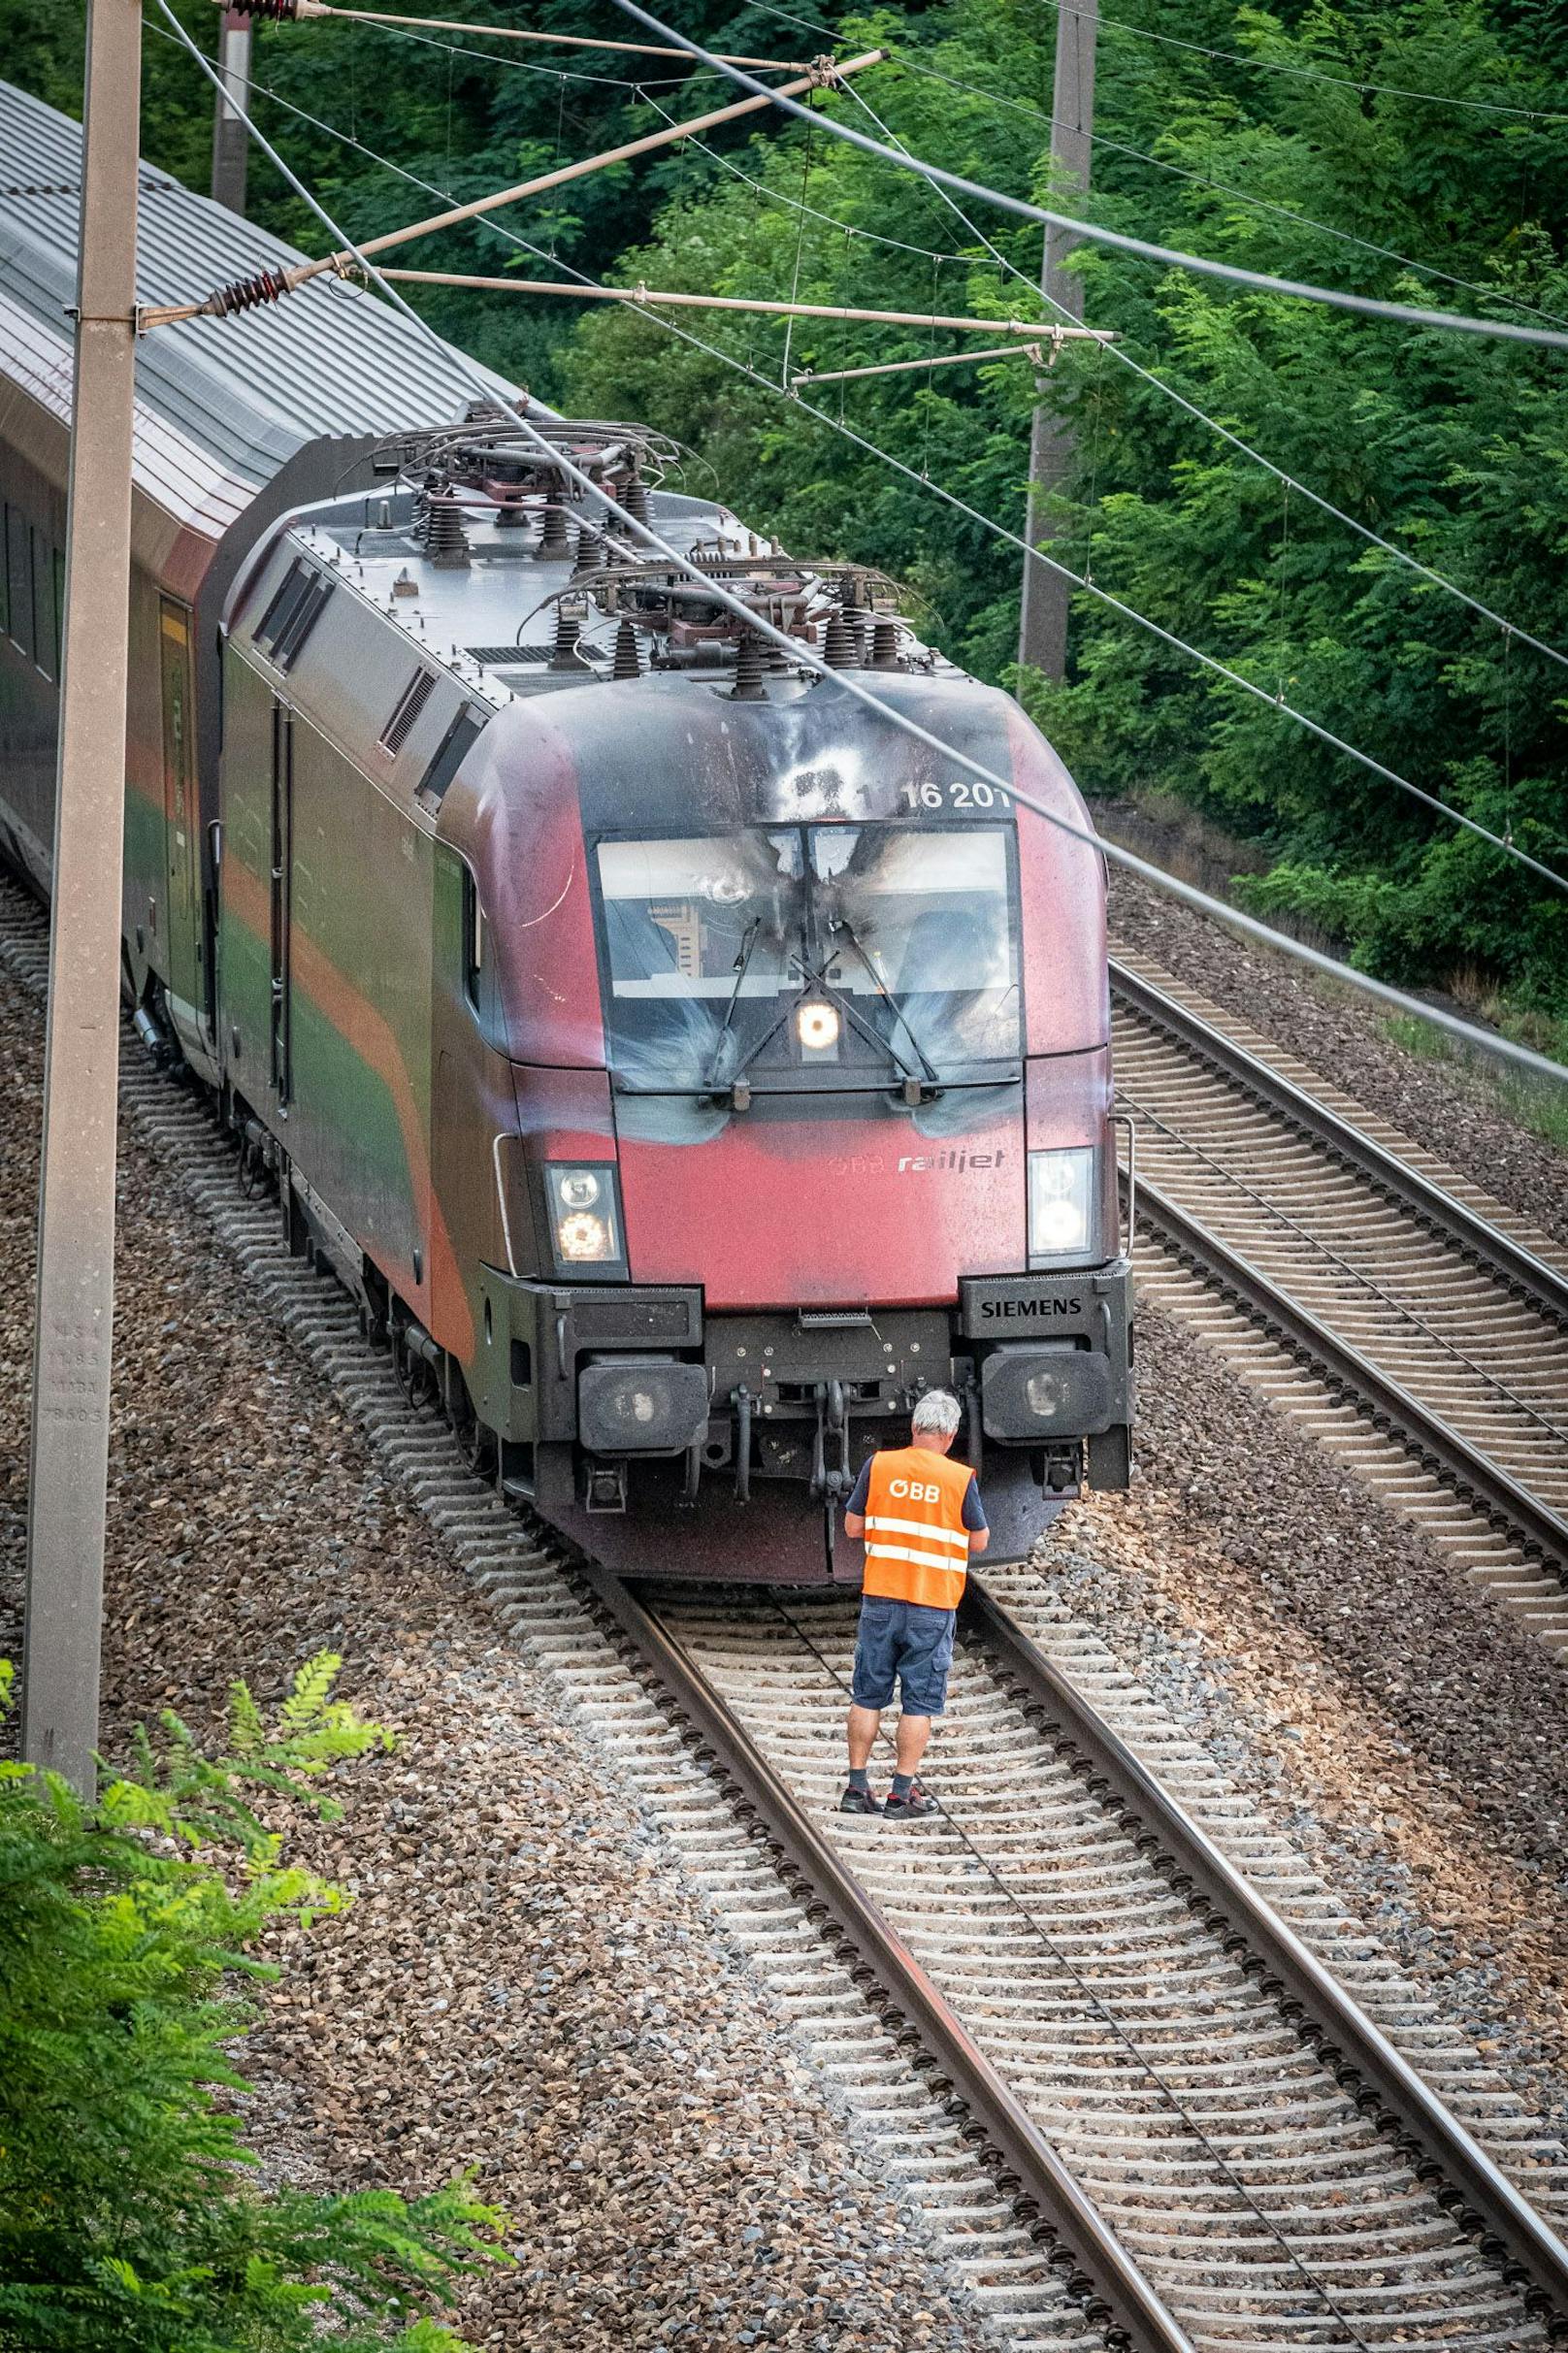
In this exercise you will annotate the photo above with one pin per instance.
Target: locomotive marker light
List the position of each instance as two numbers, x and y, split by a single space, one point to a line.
69 1459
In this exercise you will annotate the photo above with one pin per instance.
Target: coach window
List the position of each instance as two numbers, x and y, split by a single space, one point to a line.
45 641
19 581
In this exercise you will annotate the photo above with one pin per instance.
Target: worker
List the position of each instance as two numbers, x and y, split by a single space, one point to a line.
921 1520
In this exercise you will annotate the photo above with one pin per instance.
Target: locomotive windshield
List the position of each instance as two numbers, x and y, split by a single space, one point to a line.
811 955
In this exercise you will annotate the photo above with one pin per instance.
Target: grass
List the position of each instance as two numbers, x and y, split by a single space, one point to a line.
1540 1105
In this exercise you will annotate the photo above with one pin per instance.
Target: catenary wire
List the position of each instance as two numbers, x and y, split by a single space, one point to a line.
806 658
1147 376
520 65
911 64
1221 188
1365 306
1256 65
1325 506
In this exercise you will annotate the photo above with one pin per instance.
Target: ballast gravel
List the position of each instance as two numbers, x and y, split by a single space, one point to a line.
1391 1720
1441 1104
525 1985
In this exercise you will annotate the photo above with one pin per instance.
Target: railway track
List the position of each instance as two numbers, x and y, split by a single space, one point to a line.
1278 2139
1133 2109
1410 1324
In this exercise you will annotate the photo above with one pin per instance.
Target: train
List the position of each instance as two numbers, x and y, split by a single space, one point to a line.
683 1067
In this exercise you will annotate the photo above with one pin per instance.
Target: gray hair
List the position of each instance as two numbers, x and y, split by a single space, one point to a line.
938 1412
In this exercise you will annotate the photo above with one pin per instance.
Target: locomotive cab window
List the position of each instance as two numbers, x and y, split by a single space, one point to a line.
811 956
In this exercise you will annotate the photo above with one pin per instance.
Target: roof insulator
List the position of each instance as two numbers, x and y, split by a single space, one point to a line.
555 545
839 648
567 629
628 661
445 540
633 497
589 549
885 645
748 684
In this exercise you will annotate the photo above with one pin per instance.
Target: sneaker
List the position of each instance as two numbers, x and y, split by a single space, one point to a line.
859 1800
917 1806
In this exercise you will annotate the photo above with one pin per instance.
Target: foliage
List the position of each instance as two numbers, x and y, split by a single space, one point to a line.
127 2219
1449 446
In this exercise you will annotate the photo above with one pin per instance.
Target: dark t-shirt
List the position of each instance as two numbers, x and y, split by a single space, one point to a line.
974 1511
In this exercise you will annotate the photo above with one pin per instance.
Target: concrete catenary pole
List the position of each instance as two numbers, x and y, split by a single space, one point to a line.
1042 631
230 138
76 1233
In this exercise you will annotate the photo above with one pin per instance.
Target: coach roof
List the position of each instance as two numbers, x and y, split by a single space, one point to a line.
249 391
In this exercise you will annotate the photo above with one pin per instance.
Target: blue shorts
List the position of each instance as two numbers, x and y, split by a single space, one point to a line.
904 1642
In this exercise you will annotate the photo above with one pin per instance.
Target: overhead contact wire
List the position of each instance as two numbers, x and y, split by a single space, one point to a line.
1256 65
1232 273
1324 506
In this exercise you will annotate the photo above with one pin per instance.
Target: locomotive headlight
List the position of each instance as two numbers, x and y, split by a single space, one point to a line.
817 1027
585 1221
1062 1201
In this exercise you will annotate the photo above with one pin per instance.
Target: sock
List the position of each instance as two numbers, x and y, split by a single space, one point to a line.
859 1779
903 1783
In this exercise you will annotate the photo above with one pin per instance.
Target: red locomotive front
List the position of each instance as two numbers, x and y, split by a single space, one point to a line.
809 1035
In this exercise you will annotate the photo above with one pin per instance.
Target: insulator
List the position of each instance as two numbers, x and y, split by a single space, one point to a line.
247 293
885 645
555 543
446 540
628 661
838 647
567 629
510 515
633 497
589 549
284 12
748 684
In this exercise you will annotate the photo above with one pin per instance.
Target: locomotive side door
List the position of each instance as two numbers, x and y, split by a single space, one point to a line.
471 1088
182 826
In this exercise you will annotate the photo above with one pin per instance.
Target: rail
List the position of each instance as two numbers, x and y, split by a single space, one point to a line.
1477 1480
1487 1244
1362 2060
1116 2294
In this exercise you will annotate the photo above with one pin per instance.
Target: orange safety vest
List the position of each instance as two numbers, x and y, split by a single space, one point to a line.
917 1547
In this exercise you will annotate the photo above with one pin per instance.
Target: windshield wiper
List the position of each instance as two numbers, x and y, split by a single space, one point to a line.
742 968
842 923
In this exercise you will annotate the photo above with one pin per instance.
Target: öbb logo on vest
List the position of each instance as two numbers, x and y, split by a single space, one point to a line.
913 1489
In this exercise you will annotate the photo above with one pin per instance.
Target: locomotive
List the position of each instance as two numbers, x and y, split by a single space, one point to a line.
683 1065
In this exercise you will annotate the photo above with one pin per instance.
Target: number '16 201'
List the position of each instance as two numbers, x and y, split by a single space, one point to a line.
956 796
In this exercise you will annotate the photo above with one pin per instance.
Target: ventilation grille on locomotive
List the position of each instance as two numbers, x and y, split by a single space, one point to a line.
407 709
516 657
293 614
